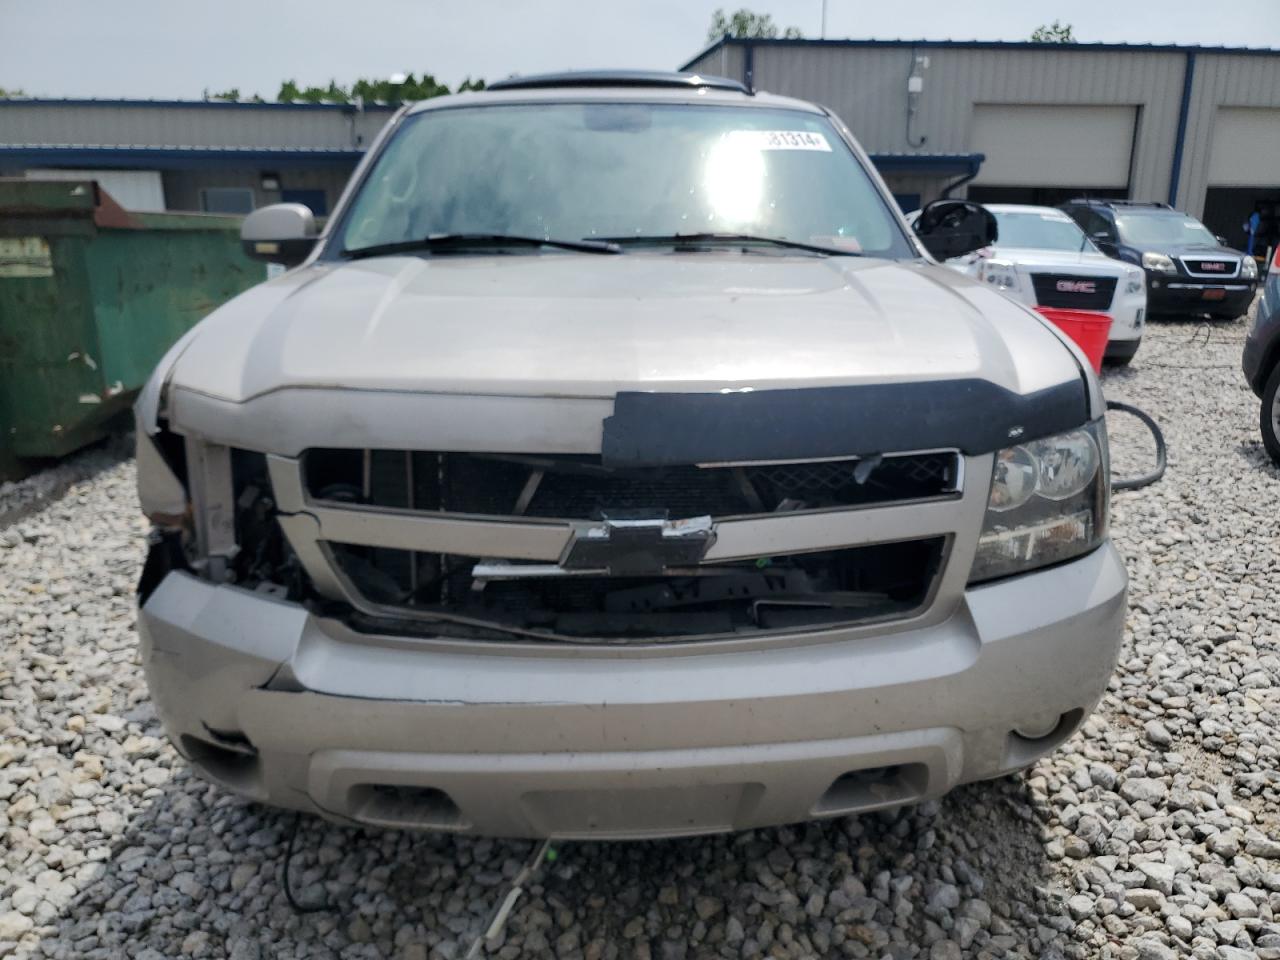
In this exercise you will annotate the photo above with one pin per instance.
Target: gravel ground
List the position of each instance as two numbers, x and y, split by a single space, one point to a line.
1154 833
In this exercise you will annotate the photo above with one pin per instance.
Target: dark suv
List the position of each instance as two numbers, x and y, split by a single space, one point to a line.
1189 270
1261 360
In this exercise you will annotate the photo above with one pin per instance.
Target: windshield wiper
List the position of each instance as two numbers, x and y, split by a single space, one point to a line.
693 239
450 242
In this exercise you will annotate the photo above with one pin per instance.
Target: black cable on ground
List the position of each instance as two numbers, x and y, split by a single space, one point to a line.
1146 479
285 880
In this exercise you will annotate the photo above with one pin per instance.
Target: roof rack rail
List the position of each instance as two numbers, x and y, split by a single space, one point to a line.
1118 202
618 78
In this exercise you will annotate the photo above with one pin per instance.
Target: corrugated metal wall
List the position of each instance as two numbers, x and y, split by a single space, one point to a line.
867 87
194 125
727 61
1222 80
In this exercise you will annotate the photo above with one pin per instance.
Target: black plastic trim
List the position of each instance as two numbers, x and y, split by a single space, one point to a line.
619 78
975 416
164 555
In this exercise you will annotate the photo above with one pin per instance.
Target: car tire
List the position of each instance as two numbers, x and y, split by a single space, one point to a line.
1120 353
1269 414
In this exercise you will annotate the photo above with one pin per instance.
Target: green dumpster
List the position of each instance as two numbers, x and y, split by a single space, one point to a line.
91 296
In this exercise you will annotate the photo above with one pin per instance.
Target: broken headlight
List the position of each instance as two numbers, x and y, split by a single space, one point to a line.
1048 503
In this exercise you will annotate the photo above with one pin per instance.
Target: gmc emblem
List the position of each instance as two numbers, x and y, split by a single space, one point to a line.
1213 266
1077 286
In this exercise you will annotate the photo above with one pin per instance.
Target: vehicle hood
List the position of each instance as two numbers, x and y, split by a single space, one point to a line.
571 325
1087 262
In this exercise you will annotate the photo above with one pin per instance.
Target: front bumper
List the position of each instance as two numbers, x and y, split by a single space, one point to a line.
510 740
1180 295
1128 311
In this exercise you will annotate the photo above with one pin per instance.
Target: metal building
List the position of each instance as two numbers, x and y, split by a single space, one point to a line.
1196 127
212 156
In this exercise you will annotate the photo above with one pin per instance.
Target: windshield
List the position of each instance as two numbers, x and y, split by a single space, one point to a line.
1158 229
1040 231
569 171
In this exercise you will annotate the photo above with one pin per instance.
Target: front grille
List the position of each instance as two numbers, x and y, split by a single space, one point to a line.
1073 292
619 590
1211 267
812 590
582 488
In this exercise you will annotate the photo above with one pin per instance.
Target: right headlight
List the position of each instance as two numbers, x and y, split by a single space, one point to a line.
1158 262
1048 503
1135 281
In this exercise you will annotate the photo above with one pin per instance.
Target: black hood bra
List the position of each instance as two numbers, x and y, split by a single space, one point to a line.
976 416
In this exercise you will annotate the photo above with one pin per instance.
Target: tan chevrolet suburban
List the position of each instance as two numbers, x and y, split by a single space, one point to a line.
617 463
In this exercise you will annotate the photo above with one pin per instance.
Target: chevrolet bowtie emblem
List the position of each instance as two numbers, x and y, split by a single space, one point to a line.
645 547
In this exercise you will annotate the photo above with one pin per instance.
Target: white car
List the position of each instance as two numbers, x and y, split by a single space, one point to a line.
1043 259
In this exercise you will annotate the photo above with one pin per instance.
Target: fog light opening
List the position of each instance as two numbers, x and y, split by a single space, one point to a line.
1022 749
874 788
1038 729
234 762
405 805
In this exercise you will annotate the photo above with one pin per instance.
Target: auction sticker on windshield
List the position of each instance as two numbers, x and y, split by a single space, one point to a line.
782 140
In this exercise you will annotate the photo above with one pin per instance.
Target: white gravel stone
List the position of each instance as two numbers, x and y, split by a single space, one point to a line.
1144 789
13 925
1159 876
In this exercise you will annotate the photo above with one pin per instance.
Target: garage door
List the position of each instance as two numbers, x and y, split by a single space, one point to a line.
1079 146
1246 148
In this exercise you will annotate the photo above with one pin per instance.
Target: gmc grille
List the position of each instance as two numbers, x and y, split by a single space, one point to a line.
1211 267
1072 292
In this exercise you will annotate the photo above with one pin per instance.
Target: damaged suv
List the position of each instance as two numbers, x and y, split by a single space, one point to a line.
618 463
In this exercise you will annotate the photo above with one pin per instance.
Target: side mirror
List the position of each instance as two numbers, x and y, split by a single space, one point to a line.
952 228
1223 240
281 233
1102 238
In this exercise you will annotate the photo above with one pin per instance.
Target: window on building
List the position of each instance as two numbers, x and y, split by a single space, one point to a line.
226 200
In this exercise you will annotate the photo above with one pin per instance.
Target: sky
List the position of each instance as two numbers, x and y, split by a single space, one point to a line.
180 48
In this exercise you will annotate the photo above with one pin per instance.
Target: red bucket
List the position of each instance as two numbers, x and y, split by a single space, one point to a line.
1088 328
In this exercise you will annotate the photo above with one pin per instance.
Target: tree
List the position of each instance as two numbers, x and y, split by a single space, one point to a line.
15 92
1053 33
233 94
413 88
746 24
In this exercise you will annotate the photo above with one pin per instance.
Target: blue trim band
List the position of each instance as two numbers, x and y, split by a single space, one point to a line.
985 45
200 104
171 158
1188 80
